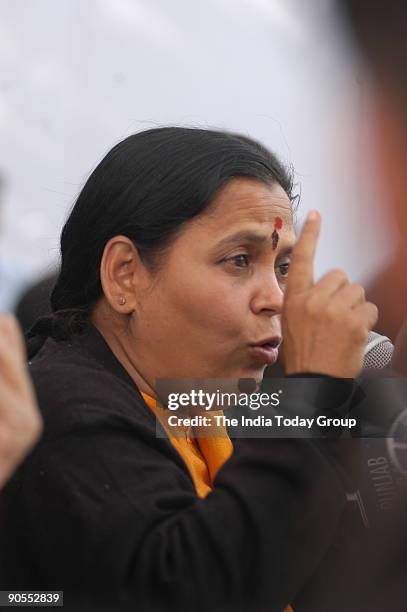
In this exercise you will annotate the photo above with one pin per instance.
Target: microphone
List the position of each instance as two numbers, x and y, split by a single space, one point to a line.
381 406
382 393
378 352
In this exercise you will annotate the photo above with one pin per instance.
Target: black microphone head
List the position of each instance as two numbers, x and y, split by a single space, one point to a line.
378 352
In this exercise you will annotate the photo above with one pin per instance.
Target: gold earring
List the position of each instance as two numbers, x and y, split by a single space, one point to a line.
121 300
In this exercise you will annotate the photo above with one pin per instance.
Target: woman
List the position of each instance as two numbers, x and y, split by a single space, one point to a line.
174 265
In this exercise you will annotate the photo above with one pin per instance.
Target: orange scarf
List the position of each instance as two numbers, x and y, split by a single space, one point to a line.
203 456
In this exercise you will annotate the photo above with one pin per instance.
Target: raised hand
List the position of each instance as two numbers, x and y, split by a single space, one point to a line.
325 324
20 422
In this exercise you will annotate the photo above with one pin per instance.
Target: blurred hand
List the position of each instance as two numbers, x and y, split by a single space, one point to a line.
325 324
20 422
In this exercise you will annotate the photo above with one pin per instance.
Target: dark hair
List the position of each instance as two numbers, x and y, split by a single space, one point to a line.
145 188
379 30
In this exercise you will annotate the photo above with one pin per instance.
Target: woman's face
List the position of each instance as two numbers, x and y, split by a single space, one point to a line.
220 290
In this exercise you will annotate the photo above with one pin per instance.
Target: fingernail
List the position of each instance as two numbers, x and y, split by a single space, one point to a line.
312 215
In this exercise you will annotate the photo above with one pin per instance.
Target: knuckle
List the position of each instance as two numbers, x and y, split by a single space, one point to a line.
372 307
373 312
338 275
358 291
334 278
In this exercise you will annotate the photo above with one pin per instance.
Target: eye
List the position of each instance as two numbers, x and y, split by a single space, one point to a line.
240 261
283 269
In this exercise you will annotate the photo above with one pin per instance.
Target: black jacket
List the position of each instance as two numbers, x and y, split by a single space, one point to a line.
107 512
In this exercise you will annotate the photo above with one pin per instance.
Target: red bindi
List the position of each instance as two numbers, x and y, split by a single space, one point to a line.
278 223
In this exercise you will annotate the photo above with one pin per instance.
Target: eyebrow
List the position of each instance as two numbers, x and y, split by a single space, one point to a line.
252 237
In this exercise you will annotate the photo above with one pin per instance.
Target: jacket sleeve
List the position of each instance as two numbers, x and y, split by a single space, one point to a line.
109 514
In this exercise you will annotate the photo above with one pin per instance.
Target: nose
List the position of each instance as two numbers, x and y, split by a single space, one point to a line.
267 296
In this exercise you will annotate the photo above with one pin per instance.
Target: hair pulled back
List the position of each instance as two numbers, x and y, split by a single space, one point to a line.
145 188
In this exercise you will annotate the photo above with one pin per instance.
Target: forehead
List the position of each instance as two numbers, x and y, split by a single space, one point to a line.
242 201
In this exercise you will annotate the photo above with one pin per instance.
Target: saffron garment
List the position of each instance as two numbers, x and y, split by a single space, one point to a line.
203 456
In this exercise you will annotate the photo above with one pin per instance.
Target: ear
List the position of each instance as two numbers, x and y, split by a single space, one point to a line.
121 273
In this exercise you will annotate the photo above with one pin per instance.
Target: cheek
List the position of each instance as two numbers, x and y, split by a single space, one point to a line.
209 305
221 308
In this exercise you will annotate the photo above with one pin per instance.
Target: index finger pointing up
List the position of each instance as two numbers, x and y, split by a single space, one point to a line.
301 275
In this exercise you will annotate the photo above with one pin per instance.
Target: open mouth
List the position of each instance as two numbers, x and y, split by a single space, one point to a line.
266 352
273 342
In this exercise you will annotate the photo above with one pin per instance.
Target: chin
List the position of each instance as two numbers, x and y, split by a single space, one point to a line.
252 374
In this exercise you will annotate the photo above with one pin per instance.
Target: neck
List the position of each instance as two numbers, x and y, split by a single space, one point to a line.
114 329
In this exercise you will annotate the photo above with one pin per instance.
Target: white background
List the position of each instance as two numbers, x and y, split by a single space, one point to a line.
76 76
